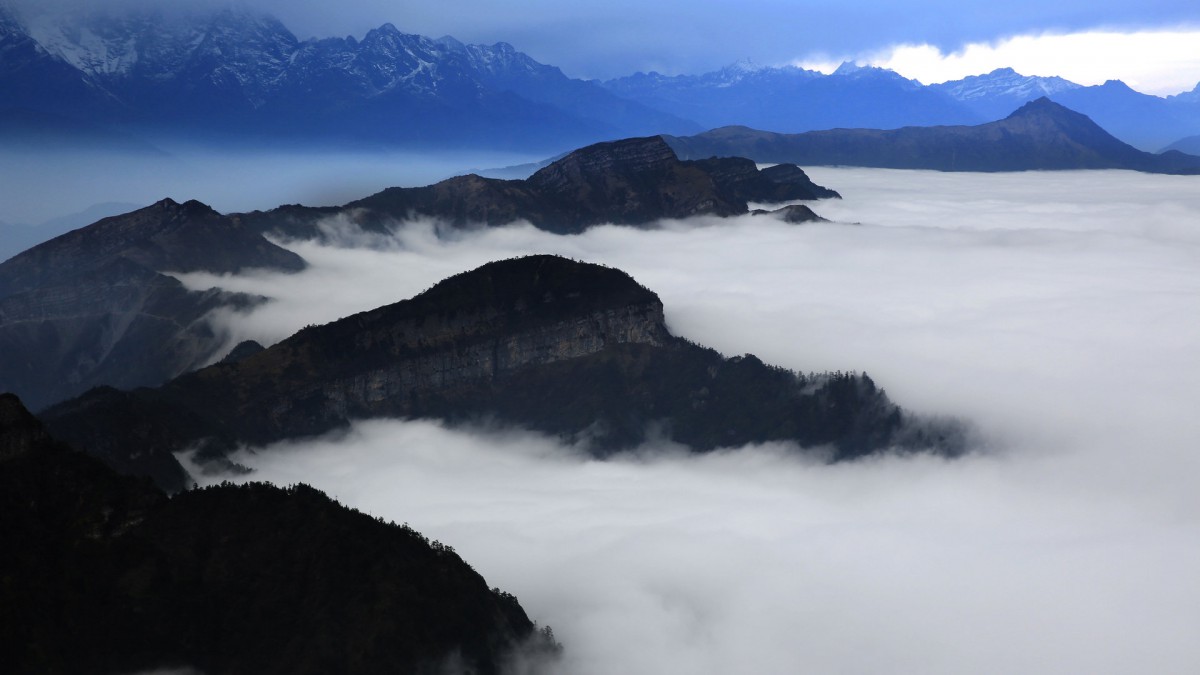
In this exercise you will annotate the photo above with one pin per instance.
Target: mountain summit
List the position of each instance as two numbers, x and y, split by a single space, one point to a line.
635 181
1040 135
242 76
564 347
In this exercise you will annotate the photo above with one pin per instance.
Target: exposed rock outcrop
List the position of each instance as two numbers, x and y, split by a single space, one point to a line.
570 348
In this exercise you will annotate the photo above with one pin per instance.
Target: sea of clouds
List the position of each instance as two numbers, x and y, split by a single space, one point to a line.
1058 312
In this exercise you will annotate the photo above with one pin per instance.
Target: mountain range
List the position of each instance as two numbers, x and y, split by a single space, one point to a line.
792 100
113 78
237 76
1041 135
99 305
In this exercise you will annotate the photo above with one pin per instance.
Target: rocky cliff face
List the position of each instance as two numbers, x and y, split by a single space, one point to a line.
541 342
465 334
464 361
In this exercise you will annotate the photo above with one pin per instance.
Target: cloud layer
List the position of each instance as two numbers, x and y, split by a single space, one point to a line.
1161 62
1059 311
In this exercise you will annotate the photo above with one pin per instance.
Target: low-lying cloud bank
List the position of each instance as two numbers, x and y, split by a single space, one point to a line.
1059 312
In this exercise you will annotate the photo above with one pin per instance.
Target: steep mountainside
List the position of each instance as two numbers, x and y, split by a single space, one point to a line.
96 306
104 574
1040 135
569 348
93 306
241 76
792 100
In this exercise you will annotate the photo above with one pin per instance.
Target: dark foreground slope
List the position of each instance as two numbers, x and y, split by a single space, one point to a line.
98 306
574 349
1041 135
103 573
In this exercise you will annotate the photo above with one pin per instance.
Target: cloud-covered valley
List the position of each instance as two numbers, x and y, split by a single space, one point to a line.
1059 313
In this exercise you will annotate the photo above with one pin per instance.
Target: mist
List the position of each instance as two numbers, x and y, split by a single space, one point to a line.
37 189
1058 312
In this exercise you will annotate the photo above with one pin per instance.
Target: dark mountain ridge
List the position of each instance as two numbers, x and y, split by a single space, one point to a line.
577 350
634 181
1041 135
97 306
105 574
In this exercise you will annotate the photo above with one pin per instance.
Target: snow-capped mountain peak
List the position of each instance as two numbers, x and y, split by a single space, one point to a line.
1006 82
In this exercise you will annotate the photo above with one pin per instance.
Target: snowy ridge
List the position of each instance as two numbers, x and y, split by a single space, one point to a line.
1006 82
259 57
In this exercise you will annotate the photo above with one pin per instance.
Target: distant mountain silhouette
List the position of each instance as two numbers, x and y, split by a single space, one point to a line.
105 574
790 99
568 348
1041 135
793 100
1189 145
1144 121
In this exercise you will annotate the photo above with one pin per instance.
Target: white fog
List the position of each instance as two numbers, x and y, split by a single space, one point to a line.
1058 312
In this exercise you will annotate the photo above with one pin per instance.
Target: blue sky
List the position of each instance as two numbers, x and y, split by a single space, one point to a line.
609 39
